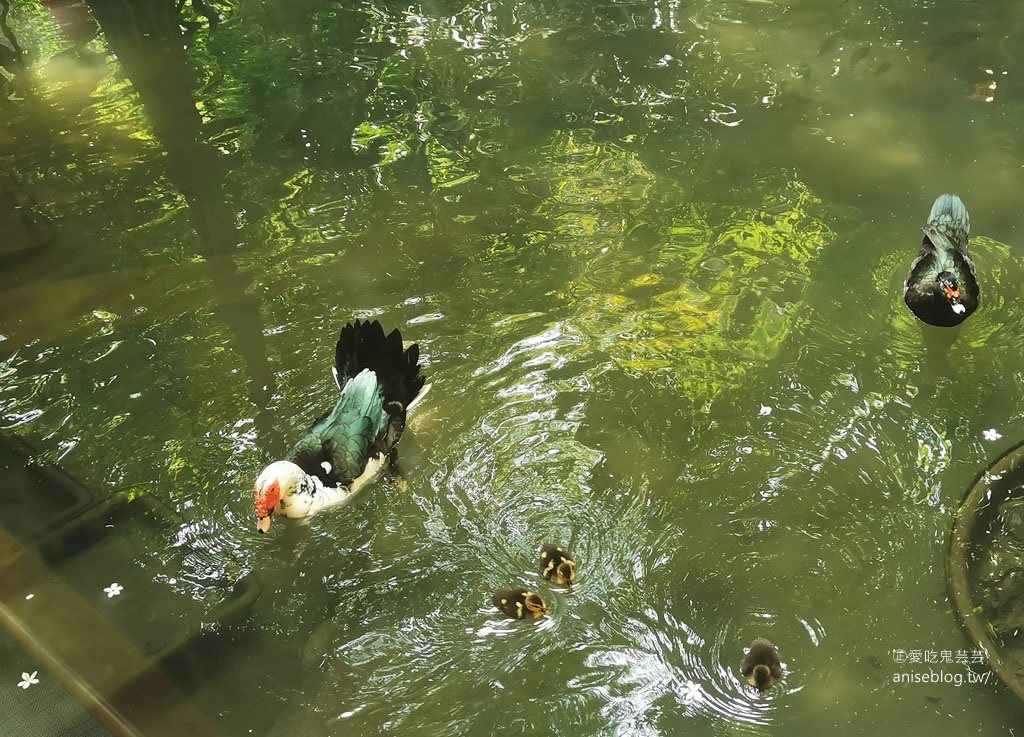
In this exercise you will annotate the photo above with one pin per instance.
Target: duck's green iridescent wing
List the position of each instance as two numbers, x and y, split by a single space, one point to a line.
338 444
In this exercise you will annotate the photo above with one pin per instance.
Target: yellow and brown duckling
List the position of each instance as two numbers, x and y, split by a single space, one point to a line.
761 666
519 603
556 565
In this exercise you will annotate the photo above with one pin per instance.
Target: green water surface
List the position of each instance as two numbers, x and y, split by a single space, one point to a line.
653 256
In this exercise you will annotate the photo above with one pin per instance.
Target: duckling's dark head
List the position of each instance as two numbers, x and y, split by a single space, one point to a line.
761 678
535 605
566 572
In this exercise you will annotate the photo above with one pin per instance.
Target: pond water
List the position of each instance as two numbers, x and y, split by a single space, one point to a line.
653 256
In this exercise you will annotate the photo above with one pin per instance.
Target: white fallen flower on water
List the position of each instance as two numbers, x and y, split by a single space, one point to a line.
691 691
27 679
113 590
991 434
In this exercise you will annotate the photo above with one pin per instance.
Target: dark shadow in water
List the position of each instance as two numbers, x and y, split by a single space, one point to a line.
57 535
937 344
147 37
10 58
77 27
24 231
10 52
148 40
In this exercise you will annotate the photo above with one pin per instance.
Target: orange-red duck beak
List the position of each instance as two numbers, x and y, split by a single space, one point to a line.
264 524
951 293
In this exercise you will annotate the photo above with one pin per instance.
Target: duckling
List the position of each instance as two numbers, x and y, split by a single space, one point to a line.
761 666
519 603
557 566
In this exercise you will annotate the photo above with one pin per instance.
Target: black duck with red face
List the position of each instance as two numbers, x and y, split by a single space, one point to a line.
942 287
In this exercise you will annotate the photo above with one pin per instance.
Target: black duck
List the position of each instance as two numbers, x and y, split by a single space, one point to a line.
942 287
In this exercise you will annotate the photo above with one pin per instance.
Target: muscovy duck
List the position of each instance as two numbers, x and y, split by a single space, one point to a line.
942 287
761 665
557 566
519 603
348 446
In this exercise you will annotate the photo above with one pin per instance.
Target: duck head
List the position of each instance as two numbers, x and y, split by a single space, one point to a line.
949 288
565 573
535 605
761 678
273 489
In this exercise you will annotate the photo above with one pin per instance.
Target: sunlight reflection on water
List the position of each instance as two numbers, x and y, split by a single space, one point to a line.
653 256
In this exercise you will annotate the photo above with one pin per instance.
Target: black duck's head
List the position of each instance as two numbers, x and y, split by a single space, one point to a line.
949 287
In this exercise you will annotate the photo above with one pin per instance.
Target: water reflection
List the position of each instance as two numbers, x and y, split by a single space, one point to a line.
149 46
10 56
675 346
625 647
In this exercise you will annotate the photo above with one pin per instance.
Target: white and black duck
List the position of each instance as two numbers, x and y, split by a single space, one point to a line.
348 446
942 287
